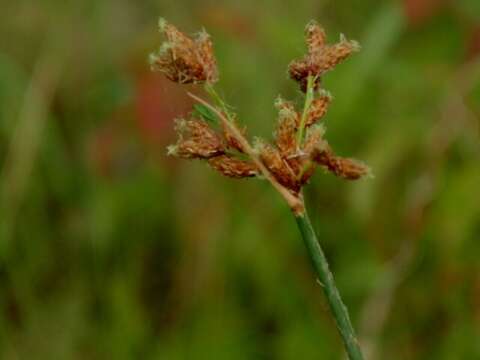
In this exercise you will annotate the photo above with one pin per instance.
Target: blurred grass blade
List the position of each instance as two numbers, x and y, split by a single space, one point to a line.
382 33
26 140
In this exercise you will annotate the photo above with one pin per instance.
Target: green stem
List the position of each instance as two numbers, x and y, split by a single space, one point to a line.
218 99
339 310
309 96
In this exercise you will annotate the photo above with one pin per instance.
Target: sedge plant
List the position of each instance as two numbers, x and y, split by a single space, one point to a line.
212 133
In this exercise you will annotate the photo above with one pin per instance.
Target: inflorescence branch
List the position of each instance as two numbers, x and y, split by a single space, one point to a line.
299 146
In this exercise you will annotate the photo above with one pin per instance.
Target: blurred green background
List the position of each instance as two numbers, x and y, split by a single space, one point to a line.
111 250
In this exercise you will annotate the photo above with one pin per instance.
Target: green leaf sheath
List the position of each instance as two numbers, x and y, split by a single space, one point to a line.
338 309
205 113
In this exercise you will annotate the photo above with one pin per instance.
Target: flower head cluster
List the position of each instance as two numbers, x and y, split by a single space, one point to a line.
198 140
320 57
212 133
185 60
293 160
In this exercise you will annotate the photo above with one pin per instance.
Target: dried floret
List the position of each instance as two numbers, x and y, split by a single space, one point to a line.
318 108
184 60
285 134
232 167
346 168
277 165
315 36
314 141
196 140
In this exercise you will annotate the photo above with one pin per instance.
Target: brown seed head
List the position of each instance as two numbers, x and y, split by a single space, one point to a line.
286 108
320 57
232 167
284 105
184 60
206 56
318 108
315 36
285 134
277 165
300 70
314 141
196 140
345 168
332 55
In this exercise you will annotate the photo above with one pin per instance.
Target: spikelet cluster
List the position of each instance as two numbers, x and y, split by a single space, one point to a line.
198 140
293 162
321 57
299 145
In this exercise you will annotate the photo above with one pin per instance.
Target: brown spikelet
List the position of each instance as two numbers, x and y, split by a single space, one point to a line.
206 57
300 70
285 134
314 141
332 55
184 60
277 165
315 36
318 108
345 168
320 57
285 137
196 140
175 36
232 167
286 106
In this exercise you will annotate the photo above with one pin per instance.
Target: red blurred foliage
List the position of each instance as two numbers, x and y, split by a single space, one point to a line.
115 146
420 11
157 102
473 49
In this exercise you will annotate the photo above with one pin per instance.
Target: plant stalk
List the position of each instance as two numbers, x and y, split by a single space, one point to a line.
309 96
319 261
338 309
